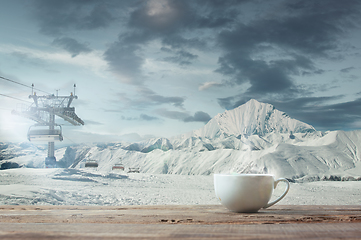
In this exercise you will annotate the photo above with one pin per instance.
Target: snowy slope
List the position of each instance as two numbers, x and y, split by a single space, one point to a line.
254 137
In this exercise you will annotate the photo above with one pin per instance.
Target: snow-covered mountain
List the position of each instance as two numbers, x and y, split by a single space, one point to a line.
251 118
254 137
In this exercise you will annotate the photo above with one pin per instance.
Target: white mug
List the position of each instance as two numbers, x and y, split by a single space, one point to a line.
247 192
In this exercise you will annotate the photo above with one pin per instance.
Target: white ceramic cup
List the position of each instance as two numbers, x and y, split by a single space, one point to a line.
247 192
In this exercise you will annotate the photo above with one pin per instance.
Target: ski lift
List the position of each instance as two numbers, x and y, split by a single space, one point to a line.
91 164
118 166
134 170
40 133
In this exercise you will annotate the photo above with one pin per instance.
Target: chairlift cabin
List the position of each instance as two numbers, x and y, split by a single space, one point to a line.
91 164
133 170
118 167
43 133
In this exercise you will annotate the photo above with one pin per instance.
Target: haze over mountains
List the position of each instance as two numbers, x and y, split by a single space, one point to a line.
255 137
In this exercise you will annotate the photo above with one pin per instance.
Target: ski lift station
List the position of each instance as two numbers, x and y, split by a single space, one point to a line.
43 111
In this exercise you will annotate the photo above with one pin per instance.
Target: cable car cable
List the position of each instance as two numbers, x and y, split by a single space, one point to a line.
22 84
69 139
14 98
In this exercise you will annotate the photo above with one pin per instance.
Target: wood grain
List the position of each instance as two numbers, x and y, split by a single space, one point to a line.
179 222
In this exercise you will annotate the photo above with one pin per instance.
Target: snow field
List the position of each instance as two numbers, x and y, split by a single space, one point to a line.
89 187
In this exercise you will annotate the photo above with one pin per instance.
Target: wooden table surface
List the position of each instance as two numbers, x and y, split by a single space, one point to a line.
179 222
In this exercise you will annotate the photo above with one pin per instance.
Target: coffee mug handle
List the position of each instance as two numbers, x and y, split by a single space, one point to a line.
283 194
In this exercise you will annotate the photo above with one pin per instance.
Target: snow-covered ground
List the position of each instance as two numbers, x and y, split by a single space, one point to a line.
90 187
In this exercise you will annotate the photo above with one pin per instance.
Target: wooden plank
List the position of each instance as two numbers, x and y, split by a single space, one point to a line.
180 222
178 214
179 231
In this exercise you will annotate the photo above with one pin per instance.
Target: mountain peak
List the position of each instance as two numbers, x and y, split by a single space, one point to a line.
252 118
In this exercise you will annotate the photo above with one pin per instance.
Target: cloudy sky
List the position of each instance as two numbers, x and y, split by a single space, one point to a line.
165 67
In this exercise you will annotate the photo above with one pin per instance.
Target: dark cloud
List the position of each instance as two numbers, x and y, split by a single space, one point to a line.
147 98
214 22
152 98
220 5
170 22
228 102
198 117
300 31
177 115
310 73
310 30
160 17
125 58
169 17
146 117
303 103
56 17
124 61
158 99
303 31
214 14
183 116
124 118
180 57
346 70
324 115
176 41
142 117
71 45
264 77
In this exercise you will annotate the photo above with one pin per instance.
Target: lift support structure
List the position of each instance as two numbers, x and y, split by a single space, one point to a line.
43 111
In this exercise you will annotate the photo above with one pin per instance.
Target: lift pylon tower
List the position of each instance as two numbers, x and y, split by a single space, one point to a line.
43 111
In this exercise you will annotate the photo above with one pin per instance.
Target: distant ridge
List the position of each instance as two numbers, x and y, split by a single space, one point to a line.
252 118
